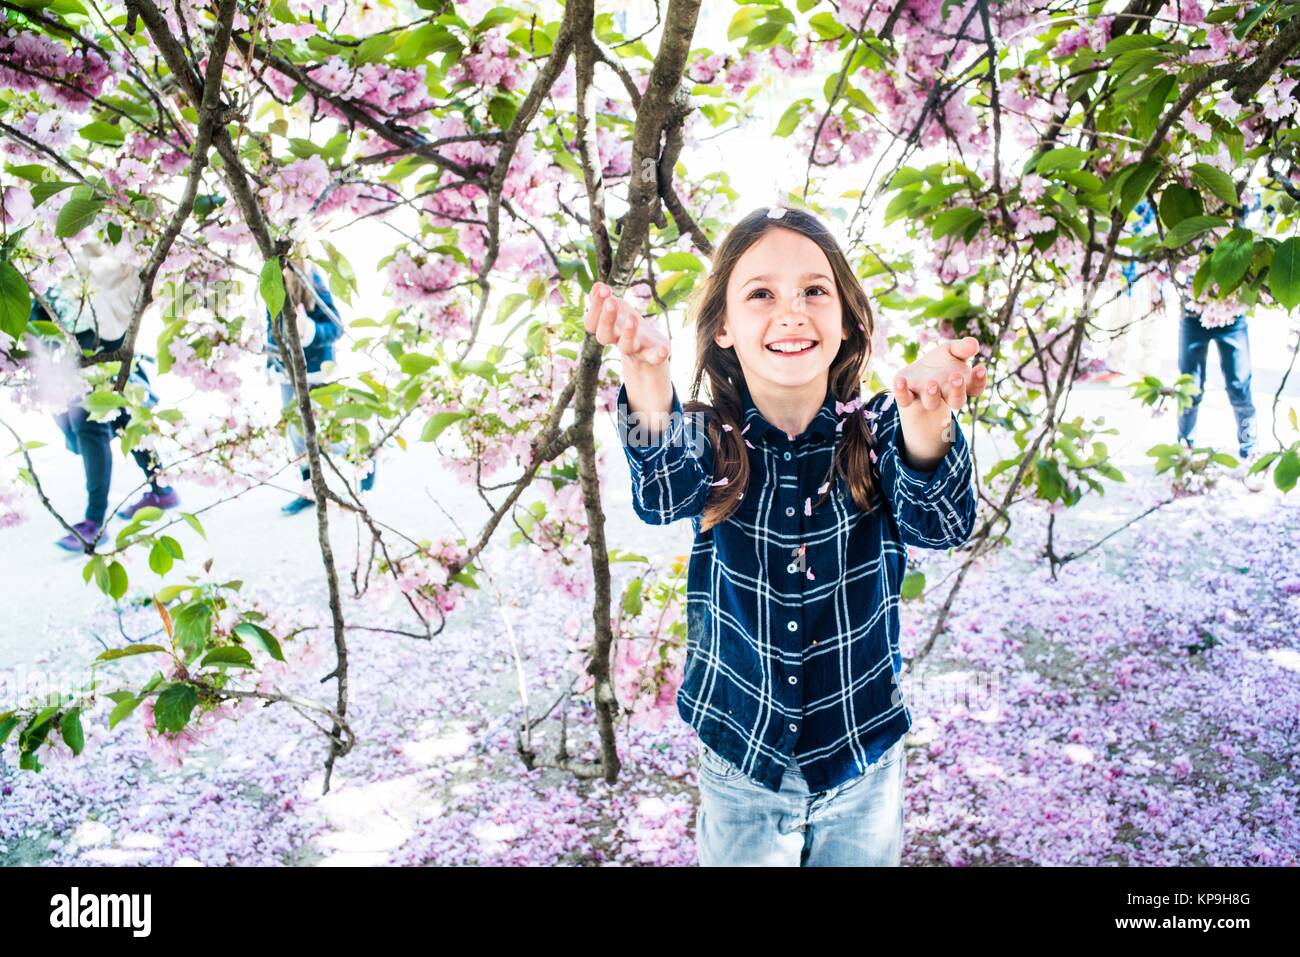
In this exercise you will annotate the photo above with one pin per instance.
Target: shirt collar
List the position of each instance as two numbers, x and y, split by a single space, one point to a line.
822 424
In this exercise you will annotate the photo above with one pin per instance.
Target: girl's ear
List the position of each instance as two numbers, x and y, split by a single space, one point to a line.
723 337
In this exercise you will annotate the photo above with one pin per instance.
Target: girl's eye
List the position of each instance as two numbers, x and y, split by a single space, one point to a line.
821 291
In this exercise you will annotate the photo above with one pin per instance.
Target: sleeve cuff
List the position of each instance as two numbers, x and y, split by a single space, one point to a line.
635 435
923 484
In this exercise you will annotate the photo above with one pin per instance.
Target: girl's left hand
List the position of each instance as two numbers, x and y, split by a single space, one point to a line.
941 378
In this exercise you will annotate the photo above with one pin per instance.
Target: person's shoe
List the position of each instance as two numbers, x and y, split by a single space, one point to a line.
297 505
151 499
1253 482
89 532
368 482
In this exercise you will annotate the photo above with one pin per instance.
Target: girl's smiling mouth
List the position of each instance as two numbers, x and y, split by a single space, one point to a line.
791 346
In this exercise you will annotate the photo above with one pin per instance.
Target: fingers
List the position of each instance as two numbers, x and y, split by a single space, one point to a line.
932 396
956 396
979 379
628 324
607 317
963 348
902 392
599 293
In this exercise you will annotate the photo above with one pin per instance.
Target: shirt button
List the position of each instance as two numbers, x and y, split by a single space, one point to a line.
786 456
793 626
793 680
794 727
789 511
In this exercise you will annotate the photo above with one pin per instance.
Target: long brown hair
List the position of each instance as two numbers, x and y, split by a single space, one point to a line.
720 366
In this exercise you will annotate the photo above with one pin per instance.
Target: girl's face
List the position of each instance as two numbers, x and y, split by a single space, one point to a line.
784 317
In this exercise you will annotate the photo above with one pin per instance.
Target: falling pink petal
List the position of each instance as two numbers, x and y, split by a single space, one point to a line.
725 427
746 428
721 481
873 454
811 576
822 490
802 549
807 506
749 443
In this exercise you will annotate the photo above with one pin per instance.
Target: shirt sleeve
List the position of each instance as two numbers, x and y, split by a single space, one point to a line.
671 473
328 326
934 509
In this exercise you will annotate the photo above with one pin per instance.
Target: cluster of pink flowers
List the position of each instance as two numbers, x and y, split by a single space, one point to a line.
34 62
398 91
1217 313
1095 35
1189 12
425 283
11 510
169 748
422 578
294 188
491 63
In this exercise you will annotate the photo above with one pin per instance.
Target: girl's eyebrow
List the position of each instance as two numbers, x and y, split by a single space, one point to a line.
767 278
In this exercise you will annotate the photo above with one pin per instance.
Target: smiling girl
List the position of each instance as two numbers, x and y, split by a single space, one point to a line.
803 498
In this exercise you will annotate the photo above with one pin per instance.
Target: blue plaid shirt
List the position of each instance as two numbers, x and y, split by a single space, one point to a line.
790 652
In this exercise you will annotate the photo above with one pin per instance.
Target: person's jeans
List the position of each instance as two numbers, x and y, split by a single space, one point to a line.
92 441
1234 358
856 824
298 441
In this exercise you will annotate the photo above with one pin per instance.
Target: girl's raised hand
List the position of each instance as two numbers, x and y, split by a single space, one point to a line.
614 322
942 377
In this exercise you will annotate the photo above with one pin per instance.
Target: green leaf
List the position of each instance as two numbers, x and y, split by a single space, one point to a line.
680 260
77 213
101 132
122 709
632 603
74 736
193 627
1217 182
508 306
1231 258
228 655
1248 22
117 580
1190 228
1136 185
913 586
954 221
271 285
1061 158
260 636
172 709
160 559
439 422
791 117
15 301
7 725
130 651
1178 203
1284 273
194 523
1288 471
413 363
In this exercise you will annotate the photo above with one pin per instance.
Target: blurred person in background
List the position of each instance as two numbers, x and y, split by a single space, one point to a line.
99 320
318 327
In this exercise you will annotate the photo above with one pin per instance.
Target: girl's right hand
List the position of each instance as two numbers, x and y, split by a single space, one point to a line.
614 322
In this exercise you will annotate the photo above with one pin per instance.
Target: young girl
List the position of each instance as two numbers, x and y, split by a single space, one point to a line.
803 498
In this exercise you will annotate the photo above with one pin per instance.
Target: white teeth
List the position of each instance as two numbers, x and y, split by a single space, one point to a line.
791 346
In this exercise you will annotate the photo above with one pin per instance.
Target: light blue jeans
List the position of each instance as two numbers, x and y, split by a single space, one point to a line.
857 824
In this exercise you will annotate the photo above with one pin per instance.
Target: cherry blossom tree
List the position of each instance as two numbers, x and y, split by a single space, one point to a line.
1038 156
